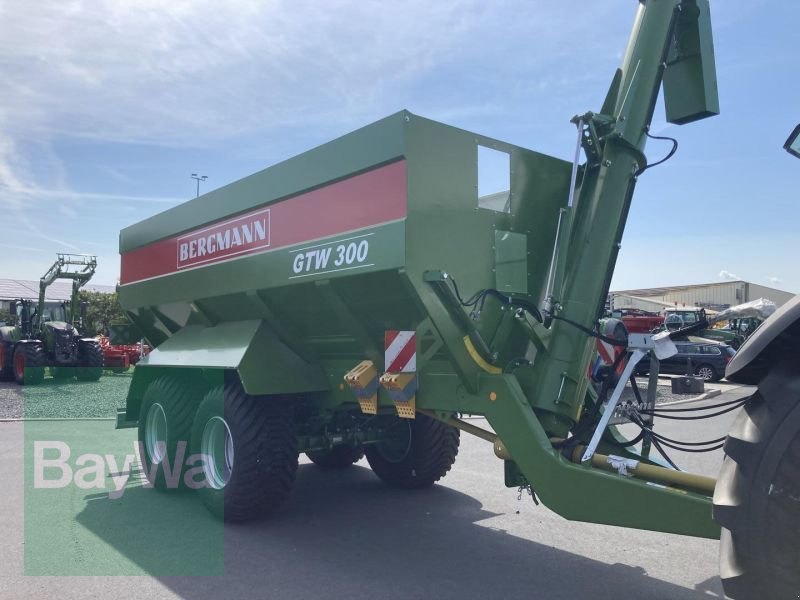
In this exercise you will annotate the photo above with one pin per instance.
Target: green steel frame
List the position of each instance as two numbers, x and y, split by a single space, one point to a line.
555 246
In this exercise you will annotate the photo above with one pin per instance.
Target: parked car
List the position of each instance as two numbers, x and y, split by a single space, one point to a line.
708 358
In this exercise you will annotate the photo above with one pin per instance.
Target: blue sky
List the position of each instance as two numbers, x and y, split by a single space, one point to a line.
106 107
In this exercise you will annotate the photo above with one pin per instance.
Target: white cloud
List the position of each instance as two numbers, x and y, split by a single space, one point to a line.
204 74
34 192
188 72
728 275
21 247
185 71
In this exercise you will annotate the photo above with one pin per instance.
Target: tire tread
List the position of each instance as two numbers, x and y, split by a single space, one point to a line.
433 452
758 547
265 450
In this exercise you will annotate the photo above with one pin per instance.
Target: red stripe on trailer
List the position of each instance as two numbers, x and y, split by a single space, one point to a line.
400 351
371 198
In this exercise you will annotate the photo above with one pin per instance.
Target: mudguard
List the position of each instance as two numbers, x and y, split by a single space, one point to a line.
264 364
776 337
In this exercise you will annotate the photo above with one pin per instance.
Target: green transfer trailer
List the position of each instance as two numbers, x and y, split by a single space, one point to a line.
358 298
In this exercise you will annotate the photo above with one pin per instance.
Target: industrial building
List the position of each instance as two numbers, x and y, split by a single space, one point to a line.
713 296
59 291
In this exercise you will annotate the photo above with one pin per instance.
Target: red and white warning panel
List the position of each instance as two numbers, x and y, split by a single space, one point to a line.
607 354
400 351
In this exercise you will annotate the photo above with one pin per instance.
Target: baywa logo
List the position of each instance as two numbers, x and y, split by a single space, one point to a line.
54 469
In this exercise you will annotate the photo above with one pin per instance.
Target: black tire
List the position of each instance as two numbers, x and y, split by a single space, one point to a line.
176 399
757 497
6 361
416 454
707 372
90 355
62 372
29 362
336 458
263 439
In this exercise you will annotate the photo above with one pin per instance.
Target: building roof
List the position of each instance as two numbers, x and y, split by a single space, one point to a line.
59 291
661 291
644 299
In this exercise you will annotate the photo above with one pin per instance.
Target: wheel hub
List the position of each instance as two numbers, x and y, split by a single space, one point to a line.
705 373
394 448
155 438
216 446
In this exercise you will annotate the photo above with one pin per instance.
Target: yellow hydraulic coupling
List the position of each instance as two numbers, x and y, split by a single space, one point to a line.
363 381
402 388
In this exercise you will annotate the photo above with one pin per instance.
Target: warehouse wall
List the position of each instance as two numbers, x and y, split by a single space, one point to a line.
719 296
779 297
716 296
623 301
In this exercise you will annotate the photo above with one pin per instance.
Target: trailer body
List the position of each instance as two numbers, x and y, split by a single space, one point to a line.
291 278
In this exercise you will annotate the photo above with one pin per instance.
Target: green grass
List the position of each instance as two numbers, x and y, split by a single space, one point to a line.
59 398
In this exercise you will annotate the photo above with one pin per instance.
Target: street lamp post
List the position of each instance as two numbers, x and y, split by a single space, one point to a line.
198 179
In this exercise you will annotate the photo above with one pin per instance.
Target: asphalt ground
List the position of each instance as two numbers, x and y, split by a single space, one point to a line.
341 535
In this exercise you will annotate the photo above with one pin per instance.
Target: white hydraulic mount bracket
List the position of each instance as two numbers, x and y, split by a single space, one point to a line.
640 345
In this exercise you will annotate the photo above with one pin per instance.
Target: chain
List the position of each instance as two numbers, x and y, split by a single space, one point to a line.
531 493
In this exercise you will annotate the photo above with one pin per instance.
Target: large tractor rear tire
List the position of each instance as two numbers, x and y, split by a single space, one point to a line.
249 450
90 355
165 425
29 362
6 361
757 498
416 452
339 457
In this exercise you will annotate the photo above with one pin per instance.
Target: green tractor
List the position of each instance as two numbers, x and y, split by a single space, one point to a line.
742 320
679 318
47 334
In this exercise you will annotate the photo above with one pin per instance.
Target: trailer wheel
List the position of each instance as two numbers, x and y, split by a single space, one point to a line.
249 450
415 454
336 458
90 355
29 361
165 424
757 498
6 361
